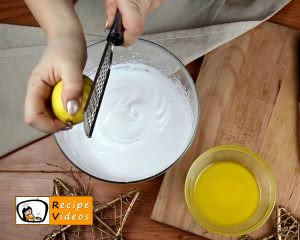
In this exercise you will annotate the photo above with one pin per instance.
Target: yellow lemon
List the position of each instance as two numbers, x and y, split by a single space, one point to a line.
58 107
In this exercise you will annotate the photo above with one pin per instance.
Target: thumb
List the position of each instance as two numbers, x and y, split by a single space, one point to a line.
72 84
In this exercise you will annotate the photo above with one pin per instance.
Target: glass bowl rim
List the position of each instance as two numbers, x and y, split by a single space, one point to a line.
197 117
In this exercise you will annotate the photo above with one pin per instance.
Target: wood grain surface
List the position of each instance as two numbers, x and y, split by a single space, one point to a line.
25 172
248 96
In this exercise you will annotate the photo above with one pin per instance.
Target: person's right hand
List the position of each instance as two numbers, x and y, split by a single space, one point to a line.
63 59
134 13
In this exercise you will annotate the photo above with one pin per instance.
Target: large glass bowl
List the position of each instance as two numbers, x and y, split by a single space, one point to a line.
141 52
256 166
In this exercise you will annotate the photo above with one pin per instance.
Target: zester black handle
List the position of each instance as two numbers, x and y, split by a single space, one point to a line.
116 32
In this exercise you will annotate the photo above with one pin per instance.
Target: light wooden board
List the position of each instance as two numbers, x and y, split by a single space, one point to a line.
248 96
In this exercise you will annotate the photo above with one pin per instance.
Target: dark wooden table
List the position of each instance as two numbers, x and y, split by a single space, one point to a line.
25 172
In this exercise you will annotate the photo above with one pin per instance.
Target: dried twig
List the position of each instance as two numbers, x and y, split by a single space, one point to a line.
127 213
53 235
110 216
287 227
123 197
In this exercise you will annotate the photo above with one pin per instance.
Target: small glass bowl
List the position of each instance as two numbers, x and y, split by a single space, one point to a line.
260 170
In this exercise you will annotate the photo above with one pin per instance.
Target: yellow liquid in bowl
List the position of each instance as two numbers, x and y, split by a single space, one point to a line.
226 193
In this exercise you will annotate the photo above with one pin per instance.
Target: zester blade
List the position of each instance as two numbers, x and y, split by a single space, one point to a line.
92 107
97 91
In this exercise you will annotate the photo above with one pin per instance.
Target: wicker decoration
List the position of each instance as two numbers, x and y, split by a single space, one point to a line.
287 227
108 219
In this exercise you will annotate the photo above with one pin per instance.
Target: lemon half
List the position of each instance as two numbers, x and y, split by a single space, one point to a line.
57 105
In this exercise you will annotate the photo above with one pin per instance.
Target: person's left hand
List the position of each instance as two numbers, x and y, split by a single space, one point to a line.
63 59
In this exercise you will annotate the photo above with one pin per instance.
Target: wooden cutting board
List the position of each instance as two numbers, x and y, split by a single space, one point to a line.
248 96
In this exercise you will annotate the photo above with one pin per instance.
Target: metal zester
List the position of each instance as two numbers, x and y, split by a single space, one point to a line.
92 107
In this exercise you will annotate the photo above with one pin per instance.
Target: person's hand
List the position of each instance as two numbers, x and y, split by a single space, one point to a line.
63 59
134 13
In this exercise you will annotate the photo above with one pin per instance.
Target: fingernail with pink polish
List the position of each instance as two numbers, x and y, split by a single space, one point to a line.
73 107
